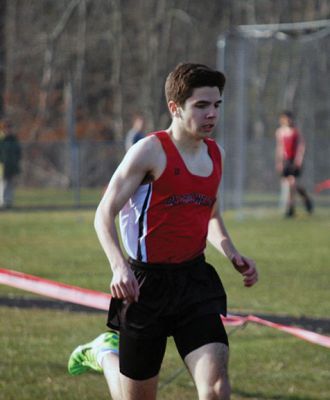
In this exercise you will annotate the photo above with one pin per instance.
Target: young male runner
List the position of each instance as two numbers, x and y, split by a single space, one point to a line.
289 156
166 193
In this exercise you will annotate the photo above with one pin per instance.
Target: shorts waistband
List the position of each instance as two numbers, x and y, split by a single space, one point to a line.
166 266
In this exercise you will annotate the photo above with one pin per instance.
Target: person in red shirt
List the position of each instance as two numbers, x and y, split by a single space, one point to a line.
166 193
289 156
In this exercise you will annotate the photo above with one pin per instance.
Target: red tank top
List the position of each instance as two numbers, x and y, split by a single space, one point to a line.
167 220
290 144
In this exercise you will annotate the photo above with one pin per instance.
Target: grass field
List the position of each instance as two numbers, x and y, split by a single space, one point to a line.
293 259
73 197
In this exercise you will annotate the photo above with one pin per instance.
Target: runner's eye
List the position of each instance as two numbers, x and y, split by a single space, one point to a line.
201 105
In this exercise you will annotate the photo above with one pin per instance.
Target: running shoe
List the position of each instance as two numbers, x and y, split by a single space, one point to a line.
309 205
84 357
290 212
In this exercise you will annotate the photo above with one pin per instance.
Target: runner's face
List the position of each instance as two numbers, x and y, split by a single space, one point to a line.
284 120
200 112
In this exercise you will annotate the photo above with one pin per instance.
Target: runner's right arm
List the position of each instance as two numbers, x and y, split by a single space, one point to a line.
137 163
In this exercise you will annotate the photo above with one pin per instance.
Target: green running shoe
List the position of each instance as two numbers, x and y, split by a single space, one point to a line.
84 357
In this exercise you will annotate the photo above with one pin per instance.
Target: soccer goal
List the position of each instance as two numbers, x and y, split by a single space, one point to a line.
271 68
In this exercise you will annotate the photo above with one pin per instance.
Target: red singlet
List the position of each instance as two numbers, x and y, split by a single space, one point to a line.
290 144
167 220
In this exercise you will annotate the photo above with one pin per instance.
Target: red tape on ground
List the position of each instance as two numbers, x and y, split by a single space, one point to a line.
322 186
312 337
60 291
100 301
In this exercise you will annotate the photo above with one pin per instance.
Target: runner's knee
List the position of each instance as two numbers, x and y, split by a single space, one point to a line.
220 389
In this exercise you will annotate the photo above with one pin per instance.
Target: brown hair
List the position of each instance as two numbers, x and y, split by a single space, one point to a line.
186 77
288 114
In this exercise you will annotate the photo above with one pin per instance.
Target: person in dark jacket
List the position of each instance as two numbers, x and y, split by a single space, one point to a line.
136 133
10 157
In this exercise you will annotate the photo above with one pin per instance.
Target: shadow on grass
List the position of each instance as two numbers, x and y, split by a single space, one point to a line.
261 396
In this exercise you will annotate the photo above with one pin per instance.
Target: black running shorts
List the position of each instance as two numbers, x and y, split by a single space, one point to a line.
181 300
290 169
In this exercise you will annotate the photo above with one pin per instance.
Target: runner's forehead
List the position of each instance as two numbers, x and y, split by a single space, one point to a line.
207 94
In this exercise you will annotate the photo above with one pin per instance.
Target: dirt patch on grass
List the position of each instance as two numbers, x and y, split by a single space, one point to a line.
319 325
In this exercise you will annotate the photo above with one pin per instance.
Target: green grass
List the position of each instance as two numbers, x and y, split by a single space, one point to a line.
293 260
70 197
56 197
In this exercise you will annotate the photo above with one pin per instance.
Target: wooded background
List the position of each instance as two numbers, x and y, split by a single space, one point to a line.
107 59
74 72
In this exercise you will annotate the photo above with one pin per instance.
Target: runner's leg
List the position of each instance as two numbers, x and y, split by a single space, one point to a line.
140 359
110 365
139 389
203 345
208 366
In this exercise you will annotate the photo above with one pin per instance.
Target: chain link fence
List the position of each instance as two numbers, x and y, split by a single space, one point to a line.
75 175
66 174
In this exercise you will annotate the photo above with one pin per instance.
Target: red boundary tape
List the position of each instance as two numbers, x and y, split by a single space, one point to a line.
60 291
100 301
322 186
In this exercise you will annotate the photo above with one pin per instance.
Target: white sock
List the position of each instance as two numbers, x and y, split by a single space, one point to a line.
102 352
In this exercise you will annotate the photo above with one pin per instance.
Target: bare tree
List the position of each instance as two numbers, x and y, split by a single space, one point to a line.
118 53
10 49
3 6
115 83
49 66
81 50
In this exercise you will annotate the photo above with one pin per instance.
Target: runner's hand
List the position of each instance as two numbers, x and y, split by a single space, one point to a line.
124 284
247 268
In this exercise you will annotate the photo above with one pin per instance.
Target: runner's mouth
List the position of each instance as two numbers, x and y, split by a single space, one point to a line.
208 127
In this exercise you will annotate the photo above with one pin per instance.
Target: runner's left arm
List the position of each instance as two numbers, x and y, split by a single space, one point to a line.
219 237
299 158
